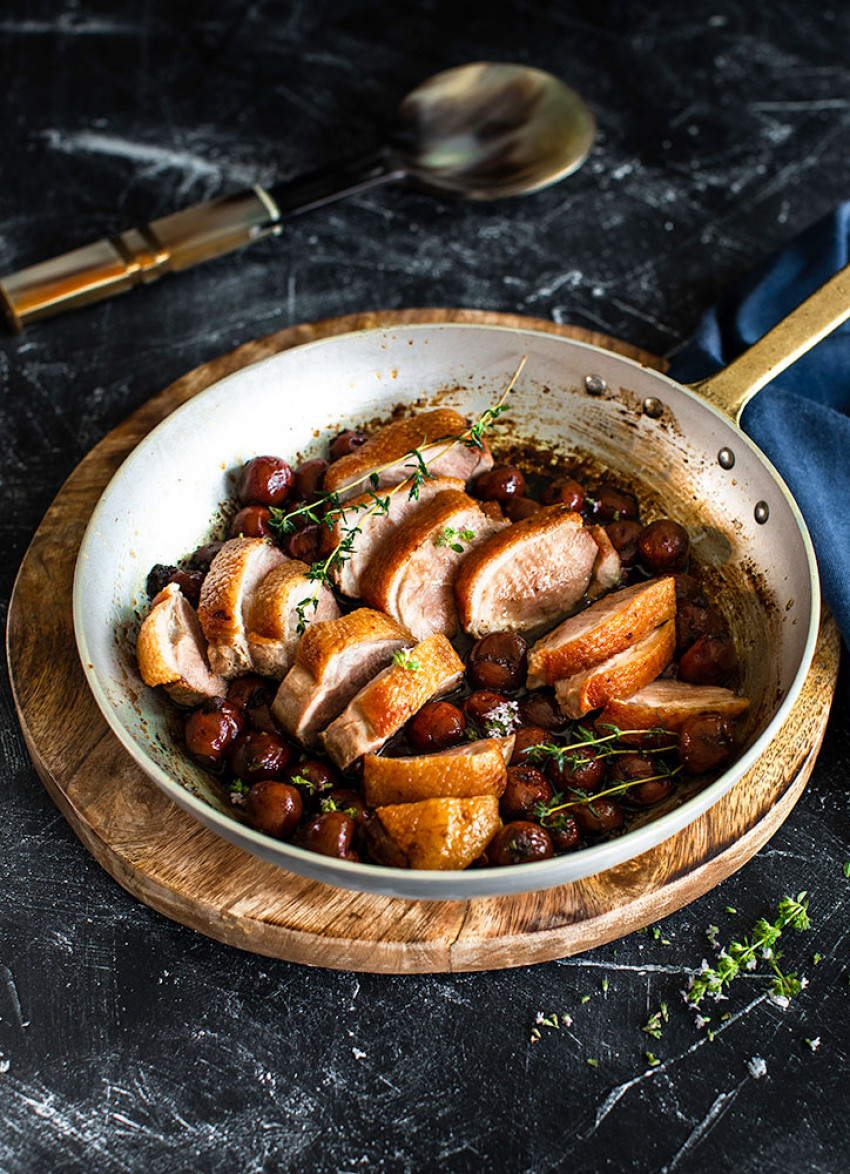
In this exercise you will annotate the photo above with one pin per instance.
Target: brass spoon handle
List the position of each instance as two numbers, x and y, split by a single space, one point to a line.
141 255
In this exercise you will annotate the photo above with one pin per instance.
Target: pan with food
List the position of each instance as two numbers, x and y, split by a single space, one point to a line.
579 421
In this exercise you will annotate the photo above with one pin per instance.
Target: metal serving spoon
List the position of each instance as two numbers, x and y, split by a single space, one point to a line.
478 132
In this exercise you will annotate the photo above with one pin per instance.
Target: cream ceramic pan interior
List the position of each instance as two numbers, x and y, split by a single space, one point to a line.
162 502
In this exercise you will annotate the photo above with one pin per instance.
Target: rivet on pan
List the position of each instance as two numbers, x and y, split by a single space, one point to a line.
726 458
762 512
595 384
653 407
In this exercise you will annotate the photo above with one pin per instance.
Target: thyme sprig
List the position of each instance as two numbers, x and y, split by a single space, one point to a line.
566 756
712 981
328 509
405 660
454 539
562 802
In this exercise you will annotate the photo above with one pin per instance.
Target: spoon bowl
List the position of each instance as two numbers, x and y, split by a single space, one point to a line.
485 131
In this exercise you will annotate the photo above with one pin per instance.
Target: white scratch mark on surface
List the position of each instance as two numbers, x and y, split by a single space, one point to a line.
620 1091
718 1108
14 997
154 159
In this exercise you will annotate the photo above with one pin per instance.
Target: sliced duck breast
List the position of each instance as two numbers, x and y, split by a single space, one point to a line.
387 454
376 527
600 631
274 620
382 707
411 574
227 594
333 661
529 574
607 569
479 768
171 650
619 676
666 705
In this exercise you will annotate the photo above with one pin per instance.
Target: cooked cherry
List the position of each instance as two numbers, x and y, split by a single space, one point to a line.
204 555
520 843
522 507
706 741
312 777
526 787
348 801
599 816
303 544
693 621
265 481
624 538
627 767
664 546
502 483
539 708
649 793
485 710
210 731
244 689
190 583
158 577
563 832
582 769
252 521
498 661
564 491
608 504
689 589
255 757
258 714
382 847
274 808
309 477
346 443
526 740
330 834
709 661
436 726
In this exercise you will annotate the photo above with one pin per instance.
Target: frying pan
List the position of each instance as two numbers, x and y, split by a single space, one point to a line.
679 447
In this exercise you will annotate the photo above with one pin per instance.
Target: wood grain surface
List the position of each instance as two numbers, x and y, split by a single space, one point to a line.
161 855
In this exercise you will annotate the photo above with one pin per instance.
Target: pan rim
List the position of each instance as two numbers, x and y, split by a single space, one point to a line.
437 885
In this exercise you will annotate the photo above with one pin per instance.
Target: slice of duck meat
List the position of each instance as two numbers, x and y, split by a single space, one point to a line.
376 527
274 619
171 650
619 676
411 575
529 574
478 768
600 631
383 706
227 594
387 454
607 569
442 833
333 661
666 705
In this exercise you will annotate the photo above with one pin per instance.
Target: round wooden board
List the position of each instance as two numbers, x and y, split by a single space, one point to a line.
173 864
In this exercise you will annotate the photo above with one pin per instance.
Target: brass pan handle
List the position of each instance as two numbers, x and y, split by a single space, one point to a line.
732 388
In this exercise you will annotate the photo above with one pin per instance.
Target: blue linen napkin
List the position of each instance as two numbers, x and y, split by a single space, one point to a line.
801 420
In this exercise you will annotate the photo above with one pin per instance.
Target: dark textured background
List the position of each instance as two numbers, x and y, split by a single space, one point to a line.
128 1043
